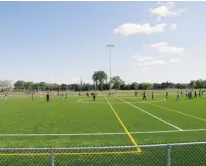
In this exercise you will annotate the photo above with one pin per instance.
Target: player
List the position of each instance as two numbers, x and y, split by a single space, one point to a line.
32 96
94 96
200 93
195 96
5 98
181 92
178 96
47 97
87 94
62 96
135 93
66 95
144 96
152 95
166 95
191 95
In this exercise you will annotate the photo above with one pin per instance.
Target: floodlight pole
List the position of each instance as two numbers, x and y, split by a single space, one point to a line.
110 64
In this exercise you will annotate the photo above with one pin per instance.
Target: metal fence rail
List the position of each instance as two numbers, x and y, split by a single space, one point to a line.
178 154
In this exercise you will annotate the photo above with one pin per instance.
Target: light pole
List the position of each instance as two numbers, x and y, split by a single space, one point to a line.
110 64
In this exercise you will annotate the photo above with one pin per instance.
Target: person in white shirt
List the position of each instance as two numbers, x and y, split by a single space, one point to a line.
5 97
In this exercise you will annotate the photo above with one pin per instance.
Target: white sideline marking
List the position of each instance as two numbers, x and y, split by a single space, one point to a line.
101 134
150 114
177 111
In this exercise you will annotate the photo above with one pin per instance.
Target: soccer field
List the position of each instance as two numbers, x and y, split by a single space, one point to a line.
108 121
120 120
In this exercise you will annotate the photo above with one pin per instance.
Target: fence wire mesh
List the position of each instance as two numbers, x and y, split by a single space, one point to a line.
181 154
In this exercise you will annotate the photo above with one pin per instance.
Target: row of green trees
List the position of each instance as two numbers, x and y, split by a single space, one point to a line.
101 82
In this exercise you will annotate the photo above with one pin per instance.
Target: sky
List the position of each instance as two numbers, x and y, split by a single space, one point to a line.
64 41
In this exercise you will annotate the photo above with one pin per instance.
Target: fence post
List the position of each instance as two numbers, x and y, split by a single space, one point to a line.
169 155
52 157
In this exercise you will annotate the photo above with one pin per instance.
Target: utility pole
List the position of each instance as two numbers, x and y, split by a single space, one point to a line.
110 64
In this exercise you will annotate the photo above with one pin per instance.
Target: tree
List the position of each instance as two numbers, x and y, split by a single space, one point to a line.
42 85
19 84
134 85
117 82
199 83
28 85
99 77
193 84
35 86
63 87
123 86
147 85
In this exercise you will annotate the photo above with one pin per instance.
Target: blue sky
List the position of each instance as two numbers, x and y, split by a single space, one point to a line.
62 41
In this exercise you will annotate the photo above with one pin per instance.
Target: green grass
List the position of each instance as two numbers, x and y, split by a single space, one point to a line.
24 116
79 114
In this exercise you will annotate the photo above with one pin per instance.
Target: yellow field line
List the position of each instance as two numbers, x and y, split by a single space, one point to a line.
67 153
120 121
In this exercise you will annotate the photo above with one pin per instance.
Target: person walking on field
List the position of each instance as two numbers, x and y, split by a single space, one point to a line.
152 95
5 98
47 97
144 96
178 96
135 93
199 93
195 96
94 96
62 96
32 96
166 95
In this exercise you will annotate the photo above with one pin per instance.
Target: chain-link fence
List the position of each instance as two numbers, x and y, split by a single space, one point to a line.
179 154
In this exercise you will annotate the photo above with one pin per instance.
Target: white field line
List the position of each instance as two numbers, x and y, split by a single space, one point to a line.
100 134
151 114
177 112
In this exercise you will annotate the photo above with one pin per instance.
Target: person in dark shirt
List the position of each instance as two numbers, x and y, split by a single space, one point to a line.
144 96
166 95
195 96
87 94
47 97
94 96
152 95
32 96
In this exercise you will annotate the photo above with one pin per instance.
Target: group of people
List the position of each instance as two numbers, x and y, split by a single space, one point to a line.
188 95
145 97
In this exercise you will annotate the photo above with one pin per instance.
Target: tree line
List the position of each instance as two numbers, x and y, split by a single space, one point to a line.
101 82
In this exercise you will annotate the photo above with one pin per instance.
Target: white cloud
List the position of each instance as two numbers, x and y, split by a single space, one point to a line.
151 63
143 58
146 62
173 26
127 29
174 60
166 10
164 47
162 11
